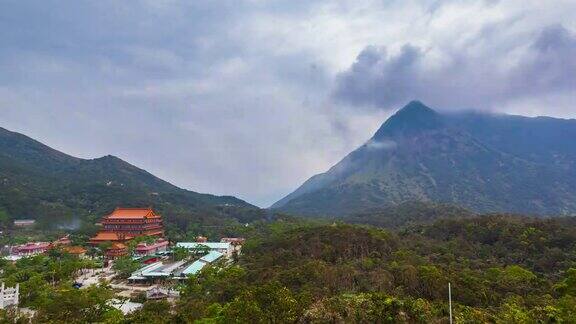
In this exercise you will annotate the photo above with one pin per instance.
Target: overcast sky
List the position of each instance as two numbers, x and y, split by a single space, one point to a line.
250 98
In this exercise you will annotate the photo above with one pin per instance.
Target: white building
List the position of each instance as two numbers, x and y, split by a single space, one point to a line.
125 306
24 222
9 296
223 247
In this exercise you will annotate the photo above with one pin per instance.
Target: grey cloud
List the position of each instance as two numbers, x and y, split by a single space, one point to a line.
545 65
377 77
550 66
170 86
234 96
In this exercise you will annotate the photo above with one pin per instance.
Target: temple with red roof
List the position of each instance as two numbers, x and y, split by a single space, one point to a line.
124 224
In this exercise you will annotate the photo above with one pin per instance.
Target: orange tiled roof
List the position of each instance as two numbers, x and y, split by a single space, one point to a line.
117 246
109 236
75 249
121 213
158 232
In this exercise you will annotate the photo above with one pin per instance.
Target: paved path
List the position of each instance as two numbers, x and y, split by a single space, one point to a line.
93 276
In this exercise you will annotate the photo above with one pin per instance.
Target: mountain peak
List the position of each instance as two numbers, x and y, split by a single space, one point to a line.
416 107
412 118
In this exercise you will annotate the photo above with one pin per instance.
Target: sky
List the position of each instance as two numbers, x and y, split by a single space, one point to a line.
252 97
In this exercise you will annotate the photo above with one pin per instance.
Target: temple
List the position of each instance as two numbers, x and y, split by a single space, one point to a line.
124 224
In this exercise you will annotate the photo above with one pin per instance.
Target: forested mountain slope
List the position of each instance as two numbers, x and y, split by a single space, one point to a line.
41 183
503 269
482 162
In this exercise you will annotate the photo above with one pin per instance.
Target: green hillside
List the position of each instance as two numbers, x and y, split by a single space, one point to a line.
407 214
482 162
56 189
503 269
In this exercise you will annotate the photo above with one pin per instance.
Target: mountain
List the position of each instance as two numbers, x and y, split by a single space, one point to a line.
482 162
408 214
41 183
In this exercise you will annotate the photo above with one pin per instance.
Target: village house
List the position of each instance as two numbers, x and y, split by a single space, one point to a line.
24 222
30 249
143 249
76 250
63 241
236 242
124 224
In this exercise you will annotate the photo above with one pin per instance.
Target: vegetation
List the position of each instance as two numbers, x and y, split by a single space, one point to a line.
408 214
125 266
39 272
483 162
503 269
64 192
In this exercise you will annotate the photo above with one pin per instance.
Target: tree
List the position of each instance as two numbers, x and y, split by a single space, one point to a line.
568 284
152 312
69 305
125 266
180 253
270 303
5 219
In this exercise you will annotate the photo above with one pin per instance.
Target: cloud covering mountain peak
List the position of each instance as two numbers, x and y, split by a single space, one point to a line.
464 77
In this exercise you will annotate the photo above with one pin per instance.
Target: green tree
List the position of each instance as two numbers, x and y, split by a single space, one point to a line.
125 266
568 284
270 303
5 219
69 305
152 312
180 253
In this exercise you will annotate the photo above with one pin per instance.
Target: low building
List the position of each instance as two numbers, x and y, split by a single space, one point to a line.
116 250
198 265
233 240
30 249
75 250
179 270
236 242
24 222
63 241
143 249
158 271
157 293
9 296
223 247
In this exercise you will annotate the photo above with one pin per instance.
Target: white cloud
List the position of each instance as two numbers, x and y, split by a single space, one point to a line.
233 97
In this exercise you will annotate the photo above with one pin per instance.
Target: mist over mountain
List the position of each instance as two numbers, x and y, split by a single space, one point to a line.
479 161
41 183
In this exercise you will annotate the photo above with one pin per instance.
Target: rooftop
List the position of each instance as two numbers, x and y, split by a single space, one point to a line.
132 213
212 256
117 246
194 268
108 236
75 249
33 245
157 243
198 245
